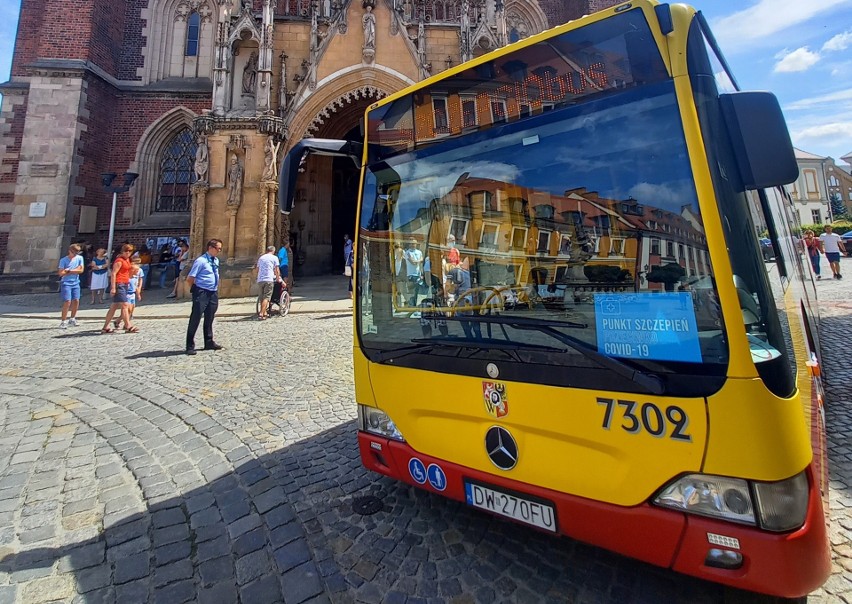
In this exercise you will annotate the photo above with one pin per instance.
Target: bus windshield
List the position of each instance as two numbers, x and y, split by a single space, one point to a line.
553 242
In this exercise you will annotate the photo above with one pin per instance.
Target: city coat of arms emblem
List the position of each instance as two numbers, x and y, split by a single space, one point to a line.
496 402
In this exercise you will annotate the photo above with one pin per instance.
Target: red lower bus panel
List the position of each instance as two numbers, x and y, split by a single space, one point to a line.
788 565
641 532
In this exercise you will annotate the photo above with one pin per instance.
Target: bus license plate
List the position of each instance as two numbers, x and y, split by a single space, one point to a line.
535 513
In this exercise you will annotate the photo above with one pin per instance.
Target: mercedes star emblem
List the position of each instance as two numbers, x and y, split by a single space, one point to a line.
492 370
501 448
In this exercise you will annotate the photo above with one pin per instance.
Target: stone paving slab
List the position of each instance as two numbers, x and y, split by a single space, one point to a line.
130 472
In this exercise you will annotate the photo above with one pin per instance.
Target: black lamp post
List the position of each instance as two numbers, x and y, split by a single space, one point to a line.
107 179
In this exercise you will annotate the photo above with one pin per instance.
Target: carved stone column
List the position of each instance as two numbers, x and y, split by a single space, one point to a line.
271 215
262 218
232 234
196 229
264 70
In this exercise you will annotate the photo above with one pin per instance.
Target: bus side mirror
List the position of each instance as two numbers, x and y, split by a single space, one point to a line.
761 141
320 146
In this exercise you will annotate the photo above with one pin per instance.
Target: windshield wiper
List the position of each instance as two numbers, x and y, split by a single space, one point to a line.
427 345
650 382
653 383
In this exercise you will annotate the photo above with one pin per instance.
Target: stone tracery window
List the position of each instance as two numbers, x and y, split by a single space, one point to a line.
179 36
176 174
193 27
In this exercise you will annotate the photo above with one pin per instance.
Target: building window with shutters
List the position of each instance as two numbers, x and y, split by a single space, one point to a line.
176 174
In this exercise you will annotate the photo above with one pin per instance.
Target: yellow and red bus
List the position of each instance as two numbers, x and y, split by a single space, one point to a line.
563 314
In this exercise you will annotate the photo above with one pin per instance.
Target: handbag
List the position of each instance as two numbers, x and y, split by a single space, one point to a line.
347 270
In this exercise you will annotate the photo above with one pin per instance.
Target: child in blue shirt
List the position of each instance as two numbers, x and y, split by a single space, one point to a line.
70 268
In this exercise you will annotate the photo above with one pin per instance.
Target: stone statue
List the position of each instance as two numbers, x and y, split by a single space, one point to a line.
282 86
250 74
270 160
202 159
369 21
235 182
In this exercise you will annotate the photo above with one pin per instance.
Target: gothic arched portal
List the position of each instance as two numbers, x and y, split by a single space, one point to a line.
326 193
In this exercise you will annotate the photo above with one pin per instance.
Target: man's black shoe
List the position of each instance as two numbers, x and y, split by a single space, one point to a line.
213 346
191 351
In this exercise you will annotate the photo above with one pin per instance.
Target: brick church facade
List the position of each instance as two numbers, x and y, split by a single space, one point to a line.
100 86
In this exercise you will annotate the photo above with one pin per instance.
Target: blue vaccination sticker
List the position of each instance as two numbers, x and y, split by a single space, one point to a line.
656 326
417 470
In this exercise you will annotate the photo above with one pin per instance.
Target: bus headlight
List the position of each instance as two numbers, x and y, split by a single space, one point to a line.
775 506
726 498
377 422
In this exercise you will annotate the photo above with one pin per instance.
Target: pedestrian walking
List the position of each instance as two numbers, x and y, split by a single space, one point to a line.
268 274
181 270
120 283
348 259
812 246
70 269
134 287
284 263
145 259
100 276
414 270
203 282
832 245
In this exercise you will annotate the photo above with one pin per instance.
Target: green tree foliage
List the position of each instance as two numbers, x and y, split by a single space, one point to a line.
605 273
838 208
668 275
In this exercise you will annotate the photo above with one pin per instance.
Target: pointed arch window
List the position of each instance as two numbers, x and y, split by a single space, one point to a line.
176 173
193 29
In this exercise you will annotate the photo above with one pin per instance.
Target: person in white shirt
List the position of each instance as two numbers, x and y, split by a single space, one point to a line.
414 269
832 245
267 275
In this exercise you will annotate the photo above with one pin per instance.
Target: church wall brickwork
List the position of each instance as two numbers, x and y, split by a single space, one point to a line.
134 113
95 150
29 34
47 168
133 41
107 41
12 118
66 31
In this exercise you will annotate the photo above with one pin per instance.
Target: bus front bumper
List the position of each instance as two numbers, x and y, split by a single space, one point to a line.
787 565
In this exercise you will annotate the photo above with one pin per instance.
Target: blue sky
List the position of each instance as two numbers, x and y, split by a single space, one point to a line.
799 49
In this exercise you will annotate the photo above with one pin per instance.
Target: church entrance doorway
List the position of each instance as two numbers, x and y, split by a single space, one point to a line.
326 197
344 202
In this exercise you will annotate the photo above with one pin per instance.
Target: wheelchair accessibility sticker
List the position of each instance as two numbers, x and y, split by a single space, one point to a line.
417 470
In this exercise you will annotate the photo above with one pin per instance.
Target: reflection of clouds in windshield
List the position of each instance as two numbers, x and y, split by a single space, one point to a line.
670 196
424 181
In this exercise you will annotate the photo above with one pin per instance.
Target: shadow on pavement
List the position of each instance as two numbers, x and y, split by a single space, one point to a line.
282 528
336 316
155 354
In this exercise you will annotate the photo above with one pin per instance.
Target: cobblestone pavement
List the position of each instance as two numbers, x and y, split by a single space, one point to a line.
130 472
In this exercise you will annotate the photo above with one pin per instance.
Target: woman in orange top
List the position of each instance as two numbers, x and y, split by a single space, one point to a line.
120 280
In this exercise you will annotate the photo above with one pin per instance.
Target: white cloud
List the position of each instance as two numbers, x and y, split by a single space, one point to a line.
746 28
670 195
838 42
823 100
798 60
832 130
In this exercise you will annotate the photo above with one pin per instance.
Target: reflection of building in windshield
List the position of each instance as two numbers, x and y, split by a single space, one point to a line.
514 235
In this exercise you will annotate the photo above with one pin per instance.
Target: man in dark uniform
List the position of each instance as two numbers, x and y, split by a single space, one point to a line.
203 281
